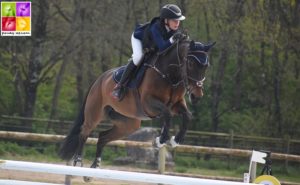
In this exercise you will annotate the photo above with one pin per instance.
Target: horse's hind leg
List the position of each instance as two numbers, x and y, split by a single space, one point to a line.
123 126
78 155
93 114
97 161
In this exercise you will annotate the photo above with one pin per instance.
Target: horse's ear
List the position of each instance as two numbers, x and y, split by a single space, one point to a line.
192 45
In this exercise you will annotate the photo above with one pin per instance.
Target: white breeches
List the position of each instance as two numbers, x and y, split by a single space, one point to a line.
137 50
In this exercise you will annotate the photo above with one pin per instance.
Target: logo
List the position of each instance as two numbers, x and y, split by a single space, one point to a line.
16 18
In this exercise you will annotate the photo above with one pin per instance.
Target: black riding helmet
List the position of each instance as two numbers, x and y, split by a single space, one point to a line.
171 11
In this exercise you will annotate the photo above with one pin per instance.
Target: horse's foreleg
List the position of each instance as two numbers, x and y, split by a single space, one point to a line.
166 120
157 106
186 118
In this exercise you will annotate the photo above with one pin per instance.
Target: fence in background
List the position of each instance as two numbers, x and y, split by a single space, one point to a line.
161 160
227 140
125 143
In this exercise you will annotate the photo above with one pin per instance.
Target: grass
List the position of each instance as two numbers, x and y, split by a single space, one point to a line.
234 168
14 151
183 163
48 152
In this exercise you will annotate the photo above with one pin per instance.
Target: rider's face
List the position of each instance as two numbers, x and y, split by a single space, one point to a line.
173 24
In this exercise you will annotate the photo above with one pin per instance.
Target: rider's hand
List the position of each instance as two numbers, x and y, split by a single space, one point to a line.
177 36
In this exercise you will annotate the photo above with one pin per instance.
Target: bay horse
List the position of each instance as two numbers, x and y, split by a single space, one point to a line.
161 94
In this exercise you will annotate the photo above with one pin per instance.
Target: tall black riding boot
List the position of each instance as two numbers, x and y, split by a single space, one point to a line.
120 89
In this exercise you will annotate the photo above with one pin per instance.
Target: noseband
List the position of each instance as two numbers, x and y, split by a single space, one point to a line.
199 83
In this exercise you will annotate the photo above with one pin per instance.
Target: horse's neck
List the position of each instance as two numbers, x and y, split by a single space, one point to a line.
165 58
169 65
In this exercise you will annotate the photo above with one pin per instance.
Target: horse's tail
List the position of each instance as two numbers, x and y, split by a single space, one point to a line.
71 142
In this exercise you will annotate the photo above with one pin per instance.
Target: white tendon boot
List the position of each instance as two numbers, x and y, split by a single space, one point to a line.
157 142
173 142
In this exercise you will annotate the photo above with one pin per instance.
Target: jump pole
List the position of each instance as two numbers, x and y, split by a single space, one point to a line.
110 174
16 182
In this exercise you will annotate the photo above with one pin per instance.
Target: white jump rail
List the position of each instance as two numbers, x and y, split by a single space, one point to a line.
15 182
110 174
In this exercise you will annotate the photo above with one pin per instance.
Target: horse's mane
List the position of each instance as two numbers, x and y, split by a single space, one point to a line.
164 52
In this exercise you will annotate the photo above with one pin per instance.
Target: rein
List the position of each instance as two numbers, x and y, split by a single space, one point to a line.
179 65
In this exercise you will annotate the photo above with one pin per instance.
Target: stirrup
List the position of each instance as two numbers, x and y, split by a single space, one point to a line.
118 92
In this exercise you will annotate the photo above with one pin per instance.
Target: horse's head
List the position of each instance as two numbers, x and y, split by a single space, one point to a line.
197 64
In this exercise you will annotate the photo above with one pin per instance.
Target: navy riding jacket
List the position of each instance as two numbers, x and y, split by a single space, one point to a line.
159 35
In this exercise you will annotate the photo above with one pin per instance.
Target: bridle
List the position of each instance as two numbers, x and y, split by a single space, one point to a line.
198 83
180 63
181 60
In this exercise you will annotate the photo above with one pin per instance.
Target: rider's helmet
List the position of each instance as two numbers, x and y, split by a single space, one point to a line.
171 11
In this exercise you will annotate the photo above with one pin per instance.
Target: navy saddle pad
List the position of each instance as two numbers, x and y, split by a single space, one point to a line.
136 79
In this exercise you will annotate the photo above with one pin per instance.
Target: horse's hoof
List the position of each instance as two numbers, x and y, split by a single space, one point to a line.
157 142
173 142
78 163
95 165
87 179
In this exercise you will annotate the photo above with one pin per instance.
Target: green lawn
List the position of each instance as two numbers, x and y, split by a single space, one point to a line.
235 168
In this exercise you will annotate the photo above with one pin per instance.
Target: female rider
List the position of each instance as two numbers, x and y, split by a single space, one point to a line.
158 35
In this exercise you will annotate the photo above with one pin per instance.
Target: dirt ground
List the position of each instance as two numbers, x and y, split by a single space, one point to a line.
60 179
